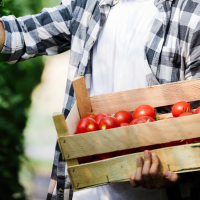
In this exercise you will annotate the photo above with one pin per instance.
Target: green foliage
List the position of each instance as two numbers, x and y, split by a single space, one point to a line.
16 84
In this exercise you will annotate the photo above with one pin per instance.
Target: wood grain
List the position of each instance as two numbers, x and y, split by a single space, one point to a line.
62 130
156 96
119 169
82 96
131 136
73 119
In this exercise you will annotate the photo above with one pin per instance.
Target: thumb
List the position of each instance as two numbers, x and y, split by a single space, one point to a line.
171 176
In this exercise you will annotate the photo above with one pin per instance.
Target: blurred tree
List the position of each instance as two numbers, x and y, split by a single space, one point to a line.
16 84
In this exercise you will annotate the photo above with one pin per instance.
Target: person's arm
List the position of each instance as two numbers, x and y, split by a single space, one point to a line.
2 36
47 33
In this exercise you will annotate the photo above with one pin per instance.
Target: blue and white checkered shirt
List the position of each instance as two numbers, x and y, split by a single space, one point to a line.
172 53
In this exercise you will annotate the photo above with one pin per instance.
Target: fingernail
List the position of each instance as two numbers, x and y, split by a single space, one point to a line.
167 174
154 156
139 160
147 154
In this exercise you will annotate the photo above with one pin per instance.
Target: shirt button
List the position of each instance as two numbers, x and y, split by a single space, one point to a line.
61 188
93 42
61 196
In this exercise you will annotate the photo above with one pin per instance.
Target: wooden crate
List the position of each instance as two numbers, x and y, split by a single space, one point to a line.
178 159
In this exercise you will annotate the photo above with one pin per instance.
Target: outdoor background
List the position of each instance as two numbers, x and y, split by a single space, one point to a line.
29 94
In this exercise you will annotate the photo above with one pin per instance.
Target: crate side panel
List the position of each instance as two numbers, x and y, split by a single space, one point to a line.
156 96
118 169
131 136
73 119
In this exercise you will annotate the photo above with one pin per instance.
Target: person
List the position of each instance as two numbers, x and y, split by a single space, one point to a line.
117 45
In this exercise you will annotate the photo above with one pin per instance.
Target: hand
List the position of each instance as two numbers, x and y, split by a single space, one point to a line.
148 176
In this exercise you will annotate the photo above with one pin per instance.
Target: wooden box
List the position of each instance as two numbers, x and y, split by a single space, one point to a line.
178 159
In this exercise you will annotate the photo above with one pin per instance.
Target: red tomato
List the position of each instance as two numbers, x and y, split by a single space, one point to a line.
87 125
181 107
125 152
123 116
171 144
196 140
85 159
105 155
95 160
108 122
98 117
185 114
197 111
124 124
151 147
141 120
90 115
144 110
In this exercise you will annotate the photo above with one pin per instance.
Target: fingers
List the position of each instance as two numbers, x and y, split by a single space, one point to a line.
132 179
157 177
138 176
171 176
146 169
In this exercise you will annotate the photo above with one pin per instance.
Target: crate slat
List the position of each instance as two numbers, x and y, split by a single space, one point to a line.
130 136
156 96
176 159
82 96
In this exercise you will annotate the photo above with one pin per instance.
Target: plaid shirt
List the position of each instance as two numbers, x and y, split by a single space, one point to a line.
171 54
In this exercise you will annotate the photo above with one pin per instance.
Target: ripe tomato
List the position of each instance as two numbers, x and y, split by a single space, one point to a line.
95 160
98 117
124 124
181 107
105 155
144 110
197 111
123 116
108 122
151 147
90 115
87 125
185 114
85 159
141 120
125 152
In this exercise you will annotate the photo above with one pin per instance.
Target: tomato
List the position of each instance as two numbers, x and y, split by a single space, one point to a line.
85 159
95 160
150 147
90 115
144 110
108 122
123 116
98 117
105 155
181 107
87 125
185 114
171 144
125 152
141 120
124 124
197 111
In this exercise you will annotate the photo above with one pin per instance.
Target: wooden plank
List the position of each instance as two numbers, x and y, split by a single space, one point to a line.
82 96
119 169
156 96
131 136
73 119
62 130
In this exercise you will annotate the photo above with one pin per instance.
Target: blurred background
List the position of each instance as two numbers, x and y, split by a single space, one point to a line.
29 94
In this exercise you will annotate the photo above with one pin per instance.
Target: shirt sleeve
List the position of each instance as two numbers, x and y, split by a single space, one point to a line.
46 33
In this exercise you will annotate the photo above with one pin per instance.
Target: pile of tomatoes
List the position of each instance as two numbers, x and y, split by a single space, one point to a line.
142 114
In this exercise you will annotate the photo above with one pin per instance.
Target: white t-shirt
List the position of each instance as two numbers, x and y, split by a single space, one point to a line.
118 65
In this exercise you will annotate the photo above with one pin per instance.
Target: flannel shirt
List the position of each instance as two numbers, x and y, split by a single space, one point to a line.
172 54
